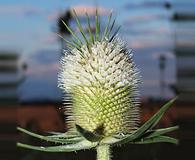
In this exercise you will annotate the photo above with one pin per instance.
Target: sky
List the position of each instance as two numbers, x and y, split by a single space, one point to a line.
29 27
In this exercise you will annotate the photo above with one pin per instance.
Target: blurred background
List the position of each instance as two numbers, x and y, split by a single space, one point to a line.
162 36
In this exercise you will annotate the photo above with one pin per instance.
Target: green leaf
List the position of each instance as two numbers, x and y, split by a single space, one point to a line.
90 136
65 135
159 132
161 112
63 148
150 136
55 133
56 139
157 140
149 124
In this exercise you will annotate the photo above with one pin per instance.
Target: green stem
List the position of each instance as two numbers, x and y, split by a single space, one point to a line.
103 152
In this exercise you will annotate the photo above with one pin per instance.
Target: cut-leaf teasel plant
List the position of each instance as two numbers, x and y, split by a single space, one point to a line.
101 82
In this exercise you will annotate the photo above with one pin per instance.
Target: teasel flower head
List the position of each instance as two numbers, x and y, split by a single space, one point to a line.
101 81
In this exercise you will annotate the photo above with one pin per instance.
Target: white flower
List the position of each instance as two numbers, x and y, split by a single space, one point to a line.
102 82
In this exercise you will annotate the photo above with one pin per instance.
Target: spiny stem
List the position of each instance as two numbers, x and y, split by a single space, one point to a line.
103 152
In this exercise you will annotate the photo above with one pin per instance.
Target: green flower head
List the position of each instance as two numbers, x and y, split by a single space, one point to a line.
101 81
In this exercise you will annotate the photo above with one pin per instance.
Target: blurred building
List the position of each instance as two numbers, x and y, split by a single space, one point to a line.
184 28
11 76
13 113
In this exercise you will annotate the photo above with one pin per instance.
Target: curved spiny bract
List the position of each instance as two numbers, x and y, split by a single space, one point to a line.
102 83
